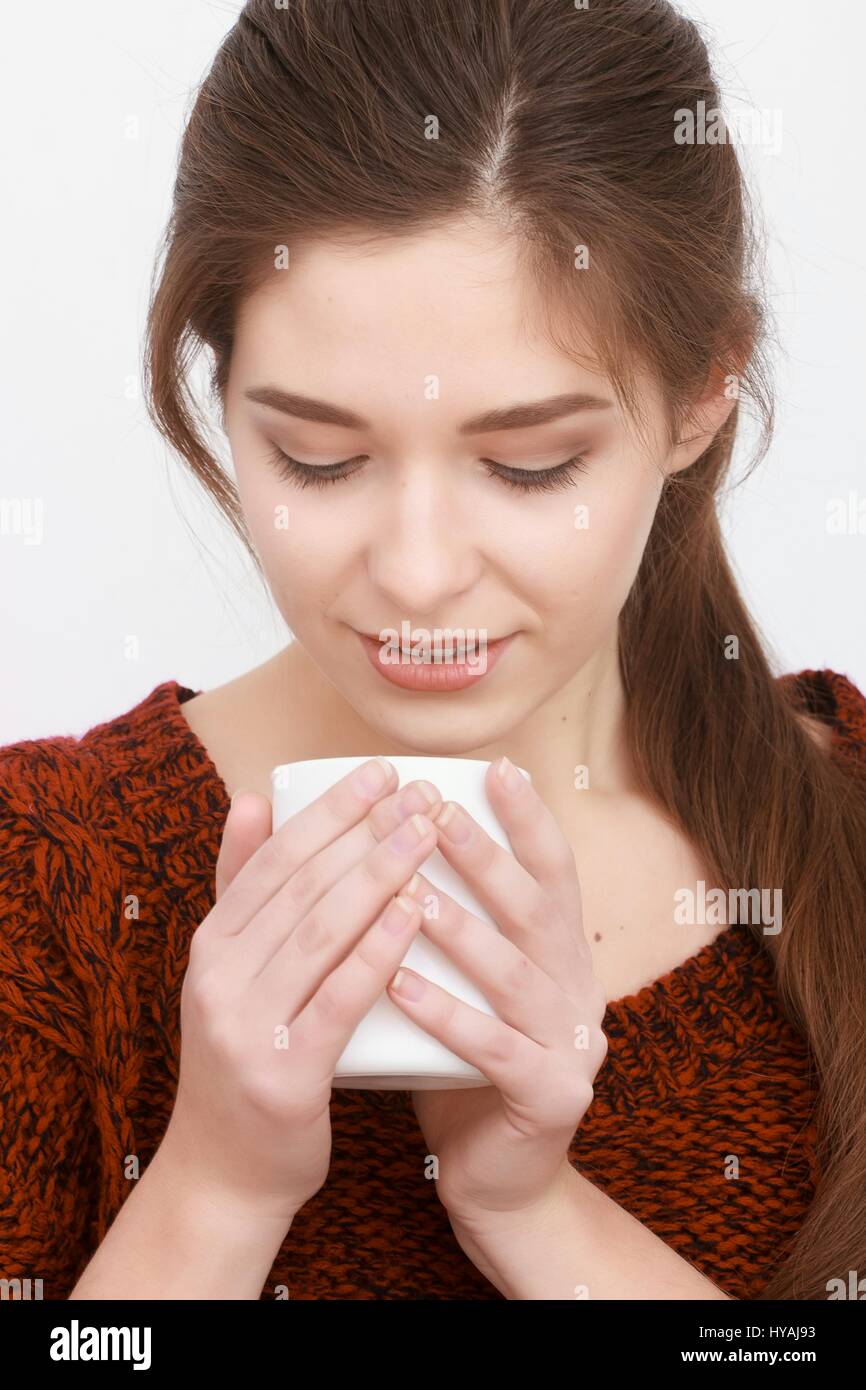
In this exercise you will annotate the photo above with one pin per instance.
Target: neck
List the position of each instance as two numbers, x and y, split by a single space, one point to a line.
575 736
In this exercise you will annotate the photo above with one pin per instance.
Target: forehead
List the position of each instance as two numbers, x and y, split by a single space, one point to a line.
455 291
449 313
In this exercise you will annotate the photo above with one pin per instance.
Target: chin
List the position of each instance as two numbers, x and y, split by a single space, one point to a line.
445 733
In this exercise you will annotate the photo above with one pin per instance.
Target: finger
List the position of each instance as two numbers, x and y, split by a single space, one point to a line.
342 809
248 825
510 1061
302 835
522 995
546 928
310 948
325 1025
533 831
311 880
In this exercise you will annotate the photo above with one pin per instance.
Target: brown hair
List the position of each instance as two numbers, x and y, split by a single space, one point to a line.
316 118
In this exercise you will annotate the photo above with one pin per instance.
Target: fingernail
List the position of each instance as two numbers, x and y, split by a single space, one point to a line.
419 797
374 776
509 776
411 831
429 792
456 825
409 985
398 916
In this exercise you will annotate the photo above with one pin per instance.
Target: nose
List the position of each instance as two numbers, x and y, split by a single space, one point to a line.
424 550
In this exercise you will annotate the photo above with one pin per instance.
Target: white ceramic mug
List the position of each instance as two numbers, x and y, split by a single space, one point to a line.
388 1051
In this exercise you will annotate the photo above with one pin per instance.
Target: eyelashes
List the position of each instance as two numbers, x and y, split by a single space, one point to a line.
522 479
539 480
305 475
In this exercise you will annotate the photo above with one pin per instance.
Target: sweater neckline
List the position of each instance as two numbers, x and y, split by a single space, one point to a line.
675 1031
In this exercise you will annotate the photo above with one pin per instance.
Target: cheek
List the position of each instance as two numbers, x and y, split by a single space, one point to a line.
302 558
303 564
619 531
285 522
582 571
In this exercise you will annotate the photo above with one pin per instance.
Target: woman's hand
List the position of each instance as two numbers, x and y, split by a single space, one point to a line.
504 1148
302 940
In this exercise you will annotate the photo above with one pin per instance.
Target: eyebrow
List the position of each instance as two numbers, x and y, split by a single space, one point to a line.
509 417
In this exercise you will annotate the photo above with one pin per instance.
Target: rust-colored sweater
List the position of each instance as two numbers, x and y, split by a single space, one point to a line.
701 1064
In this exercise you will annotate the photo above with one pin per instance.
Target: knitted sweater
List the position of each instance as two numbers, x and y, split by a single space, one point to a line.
108 845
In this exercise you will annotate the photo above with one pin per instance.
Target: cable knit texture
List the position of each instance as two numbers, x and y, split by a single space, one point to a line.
108 845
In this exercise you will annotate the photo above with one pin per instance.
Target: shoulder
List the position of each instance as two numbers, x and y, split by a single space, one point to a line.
75 813
65 800
129 807
822 734
38 990
832 708
49 784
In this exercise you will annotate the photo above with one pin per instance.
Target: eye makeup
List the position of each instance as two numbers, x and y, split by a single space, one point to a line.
555 479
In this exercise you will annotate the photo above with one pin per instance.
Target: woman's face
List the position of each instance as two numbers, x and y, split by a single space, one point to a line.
412 359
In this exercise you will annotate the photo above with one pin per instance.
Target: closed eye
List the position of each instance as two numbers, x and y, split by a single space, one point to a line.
539 479
523 479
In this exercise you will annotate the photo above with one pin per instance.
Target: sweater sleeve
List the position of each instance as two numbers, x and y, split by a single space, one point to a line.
49 1145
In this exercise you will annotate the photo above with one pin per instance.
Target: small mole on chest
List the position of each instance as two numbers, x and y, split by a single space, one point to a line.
597 935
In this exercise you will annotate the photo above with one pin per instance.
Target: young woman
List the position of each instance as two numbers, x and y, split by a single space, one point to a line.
480 324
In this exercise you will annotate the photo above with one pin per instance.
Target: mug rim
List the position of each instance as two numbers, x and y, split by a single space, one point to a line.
395 758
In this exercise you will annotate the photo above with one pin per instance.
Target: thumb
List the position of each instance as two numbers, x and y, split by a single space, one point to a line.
248 825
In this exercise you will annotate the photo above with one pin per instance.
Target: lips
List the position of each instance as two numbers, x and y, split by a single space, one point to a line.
436 677
491 641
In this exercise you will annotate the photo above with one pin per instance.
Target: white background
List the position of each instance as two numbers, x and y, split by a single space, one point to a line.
130 549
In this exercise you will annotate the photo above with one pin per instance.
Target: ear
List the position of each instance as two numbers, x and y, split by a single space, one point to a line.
706 418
